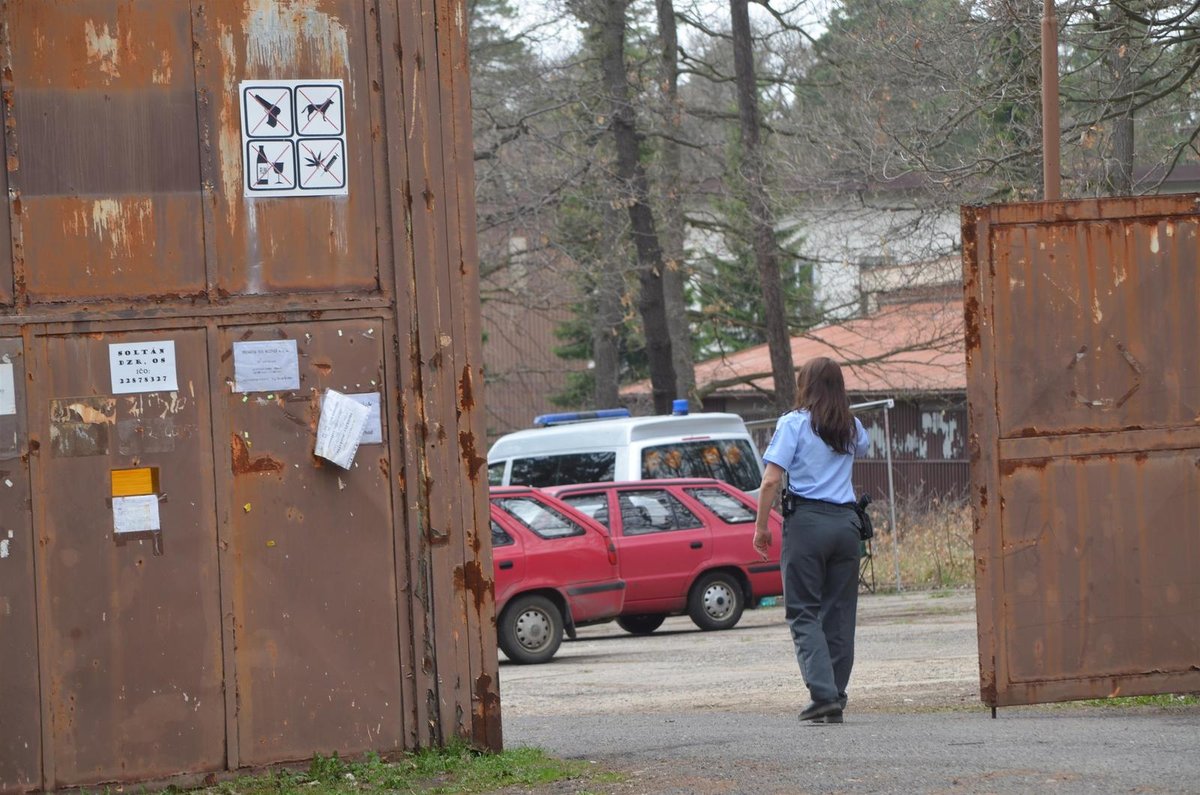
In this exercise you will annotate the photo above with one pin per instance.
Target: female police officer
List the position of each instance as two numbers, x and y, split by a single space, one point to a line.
814 446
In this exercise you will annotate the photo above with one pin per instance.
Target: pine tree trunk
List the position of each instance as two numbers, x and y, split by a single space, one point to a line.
762 221
634 186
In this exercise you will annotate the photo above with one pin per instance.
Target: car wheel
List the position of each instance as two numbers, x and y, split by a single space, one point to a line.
640 625
531 629
716 601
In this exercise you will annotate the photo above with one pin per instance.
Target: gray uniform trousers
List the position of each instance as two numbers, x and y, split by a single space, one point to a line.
820 589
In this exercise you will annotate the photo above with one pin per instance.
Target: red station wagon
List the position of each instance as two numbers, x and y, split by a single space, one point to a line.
685 546
555 569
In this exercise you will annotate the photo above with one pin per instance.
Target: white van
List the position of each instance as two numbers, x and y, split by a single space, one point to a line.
581 450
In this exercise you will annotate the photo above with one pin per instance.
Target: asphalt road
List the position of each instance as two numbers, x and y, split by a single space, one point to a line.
683 711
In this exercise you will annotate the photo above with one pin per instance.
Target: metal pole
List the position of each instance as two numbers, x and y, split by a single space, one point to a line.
1050 125
887 436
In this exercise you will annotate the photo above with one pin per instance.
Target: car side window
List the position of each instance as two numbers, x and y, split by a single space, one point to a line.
500 536
728 508
542 520
652 511
594 506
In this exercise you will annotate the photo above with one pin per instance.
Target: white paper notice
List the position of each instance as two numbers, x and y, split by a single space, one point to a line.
142 367
373 430
265 366
136 514
8 392
340 428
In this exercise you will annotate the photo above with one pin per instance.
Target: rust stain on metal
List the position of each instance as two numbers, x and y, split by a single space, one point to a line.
243 464
469 577
475 462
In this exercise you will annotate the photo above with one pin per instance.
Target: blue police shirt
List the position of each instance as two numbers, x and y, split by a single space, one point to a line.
814 469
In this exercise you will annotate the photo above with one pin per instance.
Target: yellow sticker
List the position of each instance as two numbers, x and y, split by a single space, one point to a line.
134 482
270 543
246 507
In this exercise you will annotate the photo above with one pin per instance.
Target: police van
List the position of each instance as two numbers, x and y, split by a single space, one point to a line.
608 445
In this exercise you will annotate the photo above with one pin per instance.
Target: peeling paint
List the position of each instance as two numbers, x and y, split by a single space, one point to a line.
102 50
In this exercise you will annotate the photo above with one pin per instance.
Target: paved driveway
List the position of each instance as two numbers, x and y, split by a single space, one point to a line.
683 711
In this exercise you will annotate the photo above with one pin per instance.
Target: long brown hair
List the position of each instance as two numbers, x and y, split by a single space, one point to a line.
821 390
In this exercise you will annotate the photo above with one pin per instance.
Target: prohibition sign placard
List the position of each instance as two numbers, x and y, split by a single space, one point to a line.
293 138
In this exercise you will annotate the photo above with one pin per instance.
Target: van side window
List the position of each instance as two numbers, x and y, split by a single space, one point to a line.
730 460
558 470
541 519
496 474
591 505
729 509
652 511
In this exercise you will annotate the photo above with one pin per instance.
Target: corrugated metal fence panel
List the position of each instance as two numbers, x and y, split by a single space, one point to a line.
125 167
130 623
314 593
103 151
1084 398
20 710
272 245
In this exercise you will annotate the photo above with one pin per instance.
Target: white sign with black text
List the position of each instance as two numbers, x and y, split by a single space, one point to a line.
294 138
142 367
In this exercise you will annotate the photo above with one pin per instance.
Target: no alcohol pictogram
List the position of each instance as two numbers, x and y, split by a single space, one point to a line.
272 166
294 137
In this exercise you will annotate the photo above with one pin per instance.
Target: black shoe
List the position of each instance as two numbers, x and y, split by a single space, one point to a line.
833 717
820 710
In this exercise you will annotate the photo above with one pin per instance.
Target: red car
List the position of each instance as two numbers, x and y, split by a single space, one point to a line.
685 546
555 569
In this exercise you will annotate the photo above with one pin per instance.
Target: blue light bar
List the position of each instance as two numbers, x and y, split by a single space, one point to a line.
542 420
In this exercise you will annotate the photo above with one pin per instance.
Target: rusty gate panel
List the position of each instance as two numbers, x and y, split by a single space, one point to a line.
269 245
103 154
314 586
1085 425
20 710
130 633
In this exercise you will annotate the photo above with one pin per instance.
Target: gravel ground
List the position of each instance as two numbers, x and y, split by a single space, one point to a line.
684 711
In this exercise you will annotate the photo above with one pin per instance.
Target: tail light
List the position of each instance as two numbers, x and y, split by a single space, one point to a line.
612 552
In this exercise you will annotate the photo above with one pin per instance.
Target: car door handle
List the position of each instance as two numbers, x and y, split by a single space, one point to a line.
506 564
697 544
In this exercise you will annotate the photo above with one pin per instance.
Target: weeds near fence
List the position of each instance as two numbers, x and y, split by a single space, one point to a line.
934 542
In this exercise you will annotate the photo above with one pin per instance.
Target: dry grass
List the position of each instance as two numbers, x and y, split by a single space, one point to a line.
934 545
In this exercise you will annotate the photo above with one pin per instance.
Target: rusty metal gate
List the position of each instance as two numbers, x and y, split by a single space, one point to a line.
1084 388
223 216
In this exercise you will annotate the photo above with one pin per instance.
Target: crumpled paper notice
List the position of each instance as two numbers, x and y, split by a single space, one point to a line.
340 428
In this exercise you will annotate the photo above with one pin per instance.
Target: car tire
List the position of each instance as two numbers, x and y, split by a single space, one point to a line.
530 629
716 601
641 624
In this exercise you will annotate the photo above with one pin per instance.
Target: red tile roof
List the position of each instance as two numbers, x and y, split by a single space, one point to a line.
908 347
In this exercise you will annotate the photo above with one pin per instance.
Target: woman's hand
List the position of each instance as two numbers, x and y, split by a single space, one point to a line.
762 541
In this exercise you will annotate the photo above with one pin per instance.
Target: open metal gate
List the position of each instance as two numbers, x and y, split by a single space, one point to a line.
1082 321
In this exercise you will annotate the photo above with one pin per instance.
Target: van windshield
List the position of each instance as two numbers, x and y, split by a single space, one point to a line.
730 460
559 470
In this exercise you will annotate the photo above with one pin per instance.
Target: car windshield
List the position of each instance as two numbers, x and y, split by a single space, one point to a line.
541 519
730 460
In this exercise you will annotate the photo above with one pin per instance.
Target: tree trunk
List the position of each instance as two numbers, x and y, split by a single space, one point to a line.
1118 166
631 175
762 221
675 274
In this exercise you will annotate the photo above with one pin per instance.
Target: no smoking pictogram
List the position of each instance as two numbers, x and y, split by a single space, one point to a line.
294 138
